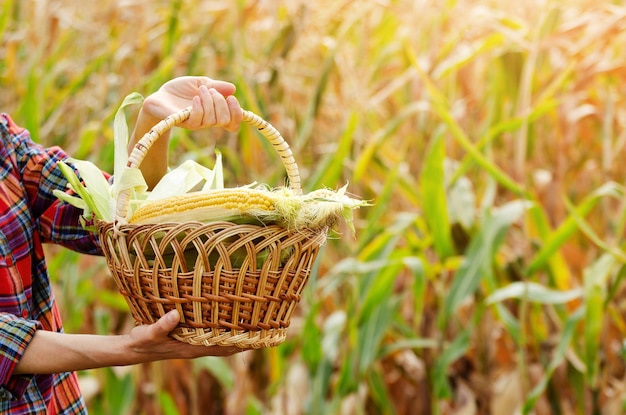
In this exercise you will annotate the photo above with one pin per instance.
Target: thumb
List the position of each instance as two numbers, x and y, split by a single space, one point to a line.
168 322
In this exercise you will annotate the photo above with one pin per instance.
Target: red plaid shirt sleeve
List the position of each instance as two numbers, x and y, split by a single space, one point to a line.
31 215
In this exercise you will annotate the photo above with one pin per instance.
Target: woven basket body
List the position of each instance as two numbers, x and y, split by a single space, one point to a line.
233 284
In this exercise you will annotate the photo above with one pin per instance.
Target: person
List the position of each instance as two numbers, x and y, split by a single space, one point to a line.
38 359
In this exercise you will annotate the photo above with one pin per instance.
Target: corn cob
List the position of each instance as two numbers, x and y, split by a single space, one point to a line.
213 205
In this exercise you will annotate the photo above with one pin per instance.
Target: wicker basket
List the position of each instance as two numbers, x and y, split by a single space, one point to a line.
233 284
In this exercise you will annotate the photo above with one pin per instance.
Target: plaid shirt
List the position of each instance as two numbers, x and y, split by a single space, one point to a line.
29 216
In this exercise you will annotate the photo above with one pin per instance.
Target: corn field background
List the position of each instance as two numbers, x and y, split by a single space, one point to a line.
487 278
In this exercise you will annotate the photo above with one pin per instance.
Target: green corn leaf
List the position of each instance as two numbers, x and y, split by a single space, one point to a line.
461 204
596 282
312 340
565 338
77 202
417 343
120 390
94 191
588 231
167 404
479 256
380 395
333 330
534 292
330 170
75 184
380 290
380 209
6 11
513 326
433 189
347 381
219 368
112 299
372 331
442 109
569 226
97 186
120 132
451 353
367 156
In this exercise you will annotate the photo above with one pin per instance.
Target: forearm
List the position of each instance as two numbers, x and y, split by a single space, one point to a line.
154 165
51 352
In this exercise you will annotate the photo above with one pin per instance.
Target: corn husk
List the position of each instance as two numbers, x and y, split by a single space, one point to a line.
319 209
96 196
93 192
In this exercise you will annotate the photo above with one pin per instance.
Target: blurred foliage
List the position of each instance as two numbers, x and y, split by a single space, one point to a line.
487 277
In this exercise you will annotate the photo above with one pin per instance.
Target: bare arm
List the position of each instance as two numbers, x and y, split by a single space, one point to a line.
50 352
213 105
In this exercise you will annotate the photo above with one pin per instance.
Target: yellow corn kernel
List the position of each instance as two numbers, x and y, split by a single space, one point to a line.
219 204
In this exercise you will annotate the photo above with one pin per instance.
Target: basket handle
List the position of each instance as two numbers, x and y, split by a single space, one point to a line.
265 128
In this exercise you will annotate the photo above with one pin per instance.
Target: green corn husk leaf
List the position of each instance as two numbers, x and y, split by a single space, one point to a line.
125 177
98 188
120 133
188 177
218 174
94 196
75 201
98 195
